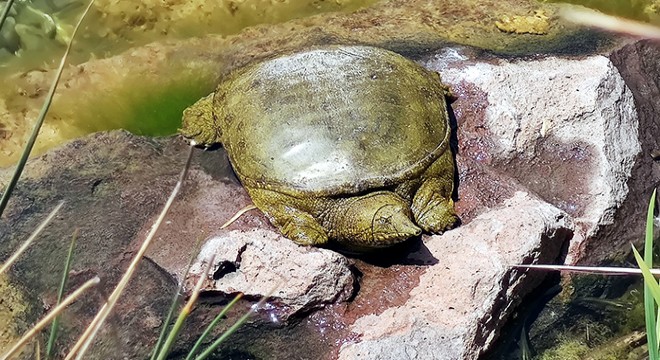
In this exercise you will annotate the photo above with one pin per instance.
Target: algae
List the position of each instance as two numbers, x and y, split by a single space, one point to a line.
13 312
537 24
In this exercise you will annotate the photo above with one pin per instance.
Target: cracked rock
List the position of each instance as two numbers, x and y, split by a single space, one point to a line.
256 262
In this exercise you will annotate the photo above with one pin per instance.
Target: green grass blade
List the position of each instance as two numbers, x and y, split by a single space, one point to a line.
164 330
657 325
651 297
212 326
54 326
649 280
649 304
209 350
185 311
174 304
40 119
84 342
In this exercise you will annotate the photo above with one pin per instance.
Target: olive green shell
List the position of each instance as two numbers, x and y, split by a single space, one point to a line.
332 120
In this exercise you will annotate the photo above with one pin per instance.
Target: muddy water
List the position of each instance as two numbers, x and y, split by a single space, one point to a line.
114 26
642 10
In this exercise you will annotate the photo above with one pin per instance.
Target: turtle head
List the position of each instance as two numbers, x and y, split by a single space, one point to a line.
376 220
198 123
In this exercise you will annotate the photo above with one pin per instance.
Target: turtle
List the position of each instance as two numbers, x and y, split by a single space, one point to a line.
336 144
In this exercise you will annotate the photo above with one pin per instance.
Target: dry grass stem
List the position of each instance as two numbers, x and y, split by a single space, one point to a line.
52 314
238 214
616 24
589 269
29 241
88 336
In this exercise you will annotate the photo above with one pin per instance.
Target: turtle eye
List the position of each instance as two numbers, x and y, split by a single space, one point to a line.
384 220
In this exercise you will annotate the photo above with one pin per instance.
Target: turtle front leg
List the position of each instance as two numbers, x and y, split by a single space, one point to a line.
432 204
294 223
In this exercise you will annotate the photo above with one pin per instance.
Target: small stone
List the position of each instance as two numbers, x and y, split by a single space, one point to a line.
256 262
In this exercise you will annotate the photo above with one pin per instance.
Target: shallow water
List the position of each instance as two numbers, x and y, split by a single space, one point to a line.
143 106
114 26
641 10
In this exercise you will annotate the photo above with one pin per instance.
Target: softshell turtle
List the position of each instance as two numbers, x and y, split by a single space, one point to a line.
343 143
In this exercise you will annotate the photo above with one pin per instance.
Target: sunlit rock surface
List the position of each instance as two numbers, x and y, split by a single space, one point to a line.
259 262
549 119
470 289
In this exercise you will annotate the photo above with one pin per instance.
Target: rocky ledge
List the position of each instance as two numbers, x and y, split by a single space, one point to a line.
550 155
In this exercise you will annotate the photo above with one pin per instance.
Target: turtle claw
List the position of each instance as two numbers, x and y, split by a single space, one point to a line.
433 207
438 218
305 235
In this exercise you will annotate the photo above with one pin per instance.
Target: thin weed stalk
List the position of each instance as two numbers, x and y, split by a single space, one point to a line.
187 309
238 214
86 339
611 23
212 326
604 270
42 116
30 239
174 305
60 293
209 350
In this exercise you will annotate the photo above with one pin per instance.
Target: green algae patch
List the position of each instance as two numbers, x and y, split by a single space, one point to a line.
569 350
153 108
142 102
114 26
13 310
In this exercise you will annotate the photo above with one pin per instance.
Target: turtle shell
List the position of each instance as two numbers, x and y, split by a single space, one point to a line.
332 120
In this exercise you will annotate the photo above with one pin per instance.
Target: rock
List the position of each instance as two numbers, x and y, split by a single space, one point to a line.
258 261
110 193
642 76
459 302
546 151
561 127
